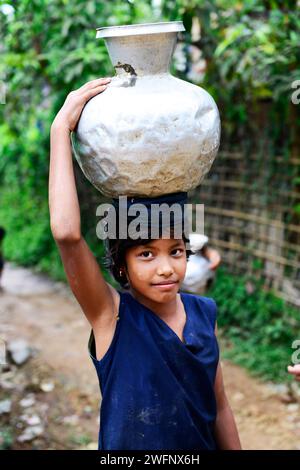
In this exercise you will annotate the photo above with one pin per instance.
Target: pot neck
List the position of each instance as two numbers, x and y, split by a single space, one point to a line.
143 54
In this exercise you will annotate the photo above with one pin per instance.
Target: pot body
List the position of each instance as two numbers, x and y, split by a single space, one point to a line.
148 133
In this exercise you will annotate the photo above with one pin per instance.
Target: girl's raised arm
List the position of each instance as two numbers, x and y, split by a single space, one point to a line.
97 298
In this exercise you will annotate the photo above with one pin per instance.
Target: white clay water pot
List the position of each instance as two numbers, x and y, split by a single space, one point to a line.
149 133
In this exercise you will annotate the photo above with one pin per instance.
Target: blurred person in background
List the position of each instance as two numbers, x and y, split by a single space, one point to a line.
201 266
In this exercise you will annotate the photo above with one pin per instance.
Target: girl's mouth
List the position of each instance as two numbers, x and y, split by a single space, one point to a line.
166 285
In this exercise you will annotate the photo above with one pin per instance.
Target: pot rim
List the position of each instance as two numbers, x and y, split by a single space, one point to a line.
141 28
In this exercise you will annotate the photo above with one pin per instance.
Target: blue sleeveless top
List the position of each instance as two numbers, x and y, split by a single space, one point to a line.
157 391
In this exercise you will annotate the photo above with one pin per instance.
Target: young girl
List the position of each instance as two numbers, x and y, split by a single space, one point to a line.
154 348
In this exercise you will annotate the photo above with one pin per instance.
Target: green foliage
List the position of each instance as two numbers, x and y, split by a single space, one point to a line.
252 54
6 438
81 440
258 326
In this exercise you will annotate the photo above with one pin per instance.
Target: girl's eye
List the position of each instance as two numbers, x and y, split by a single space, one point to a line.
178 249
141 254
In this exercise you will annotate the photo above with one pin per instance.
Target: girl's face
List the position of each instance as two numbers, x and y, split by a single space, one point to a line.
162 260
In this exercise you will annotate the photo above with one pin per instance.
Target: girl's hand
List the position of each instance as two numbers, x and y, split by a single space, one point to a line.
70 112
295 370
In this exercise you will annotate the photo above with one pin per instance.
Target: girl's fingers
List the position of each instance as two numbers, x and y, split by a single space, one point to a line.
94 91
94 83
295 370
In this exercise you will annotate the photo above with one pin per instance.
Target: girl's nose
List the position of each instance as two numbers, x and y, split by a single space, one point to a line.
165 268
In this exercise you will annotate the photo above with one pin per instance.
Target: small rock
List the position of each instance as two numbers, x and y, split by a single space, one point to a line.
47 386
30 433
19 350
34 420
27 401
5 406
31 420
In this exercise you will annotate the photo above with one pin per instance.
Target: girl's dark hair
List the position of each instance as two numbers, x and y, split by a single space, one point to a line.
115 249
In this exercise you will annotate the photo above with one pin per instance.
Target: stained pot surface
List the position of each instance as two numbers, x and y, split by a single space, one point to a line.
160 136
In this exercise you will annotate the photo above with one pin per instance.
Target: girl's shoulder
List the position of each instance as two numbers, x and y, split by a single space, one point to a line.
205 306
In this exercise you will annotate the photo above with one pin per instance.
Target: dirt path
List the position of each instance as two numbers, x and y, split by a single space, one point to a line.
48 317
